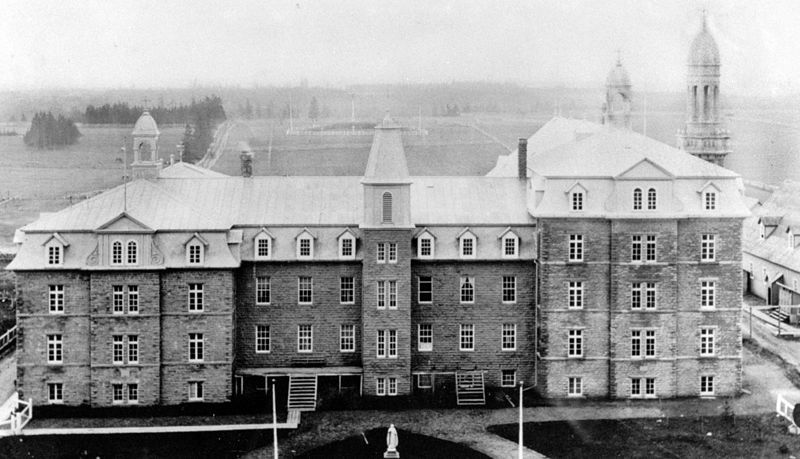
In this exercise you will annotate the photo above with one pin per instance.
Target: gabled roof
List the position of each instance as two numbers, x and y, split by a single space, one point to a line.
773 246
265 232
199 238
347 231
424 231
305 231
124 223
576 186
464 232
769 220
707 185
506 231
58 238
645 169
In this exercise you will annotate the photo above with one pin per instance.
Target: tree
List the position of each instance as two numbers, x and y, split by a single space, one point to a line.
49 132
313 110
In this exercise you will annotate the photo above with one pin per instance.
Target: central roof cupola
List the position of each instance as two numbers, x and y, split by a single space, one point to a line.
386 183
617 107
146 163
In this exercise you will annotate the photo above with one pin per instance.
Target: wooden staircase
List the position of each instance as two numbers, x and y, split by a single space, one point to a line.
778 315
470 389
7 339
302 392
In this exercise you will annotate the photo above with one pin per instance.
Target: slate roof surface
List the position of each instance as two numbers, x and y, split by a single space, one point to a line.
782 203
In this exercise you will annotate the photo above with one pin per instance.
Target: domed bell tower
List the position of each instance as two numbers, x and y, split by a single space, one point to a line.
617 107
704 135
146 163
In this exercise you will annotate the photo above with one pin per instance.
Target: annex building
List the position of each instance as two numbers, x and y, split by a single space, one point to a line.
599 263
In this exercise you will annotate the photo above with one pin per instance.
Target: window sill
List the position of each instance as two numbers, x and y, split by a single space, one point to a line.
425 350
263 352
347 352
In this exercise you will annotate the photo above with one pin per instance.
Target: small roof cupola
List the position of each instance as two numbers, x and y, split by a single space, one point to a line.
617 107
386 183
146 163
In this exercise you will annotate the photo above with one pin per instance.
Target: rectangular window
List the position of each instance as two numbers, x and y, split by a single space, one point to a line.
706 385
305 247
643 387
195 347
305 338
380 386
380 344
347 338
347 248
636 247
392 294
577 201
650 247
425 294
133 393
194 254
392 344
263 339
650 295
510 246
575 343
392 386
509 289
467 247
133 349
425 247
117 351
467 289
56 299
708 246
424 381
196 391
710 200
649 343
575 295
305 290
347 290
636 295
574 387
509 337
575 247
263 287
386 339
381 294
649 387
392 252
195 297
425 337
117 299
55 349
54 255
707 293
508 378
636 343
133 299
117 394
466 340
381 252
55 392
262 247
707 341
636 387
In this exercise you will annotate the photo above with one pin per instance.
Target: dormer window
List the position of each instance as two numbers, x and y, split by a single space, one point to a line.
54 250
196 250
710 200
347 245
425 245
133 252
509 244
54 256
116 253
637 199
651 199
262 245
577 200
467 244
305 245
387 208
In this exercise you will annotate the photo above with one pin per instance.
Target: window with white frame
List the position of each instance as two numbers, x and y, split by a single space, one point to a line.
392 248
305 338
425 337
636 343
263 247
575 342
392 387
387 208
196 347
117 395
263 339
637 199
575 247
510 246
466 341
392 290
509 289
708 293
508 337
305 290
263 290
643 387
195 297
56 299
386 344
117 299
133 299
649 343
196 391
650 295
194 253
347 290
387 294
636 247
650 248
706 385
710 200
708 245
392 354
55 393
133 393
305 247
380 386
347 246
577 200
55 255
133 349
425 246
467 246
467 289
574 386
636 295
381 252
116 253
117 351
707 335
508 378
425 289
575 294
347 338
55 349
133 253
651 199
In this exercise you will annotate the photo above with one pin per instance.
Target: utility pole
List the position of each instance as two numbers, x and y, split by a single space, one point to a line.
274 425
520 420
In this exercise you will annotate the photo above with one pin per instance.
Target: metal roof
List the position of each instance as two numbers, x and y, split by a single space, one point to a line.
387 159
782 209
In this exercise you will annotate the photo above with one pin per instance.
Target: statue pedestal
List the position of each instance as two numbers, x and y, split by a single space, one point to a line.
391 455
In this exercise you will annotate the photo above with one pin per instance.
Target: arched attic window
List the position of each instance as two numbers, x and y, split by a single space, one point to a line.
133 252
116 253
637 199
651 199
387 207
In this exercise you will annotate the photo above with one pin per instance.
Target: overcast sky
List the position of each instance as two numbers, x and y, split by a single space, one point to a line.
158 43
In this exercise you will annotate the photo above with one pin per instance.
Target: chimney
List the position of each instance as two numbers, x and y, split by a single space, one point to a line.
247 163
522 159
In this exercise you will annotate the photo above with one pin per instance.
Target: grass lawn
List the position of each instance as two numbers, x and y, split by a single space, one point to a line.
708 437
372 443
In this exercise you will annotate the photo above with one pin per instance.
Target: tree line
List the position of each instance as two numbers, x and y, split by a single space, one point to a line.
47 131
122 113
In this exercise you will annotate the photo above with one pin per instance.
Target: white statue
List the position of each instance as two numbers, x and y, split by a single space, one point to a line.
391 439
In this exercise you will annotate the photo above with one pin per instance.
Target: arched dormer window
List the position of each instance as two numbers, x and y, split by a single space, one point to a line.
651 199
133 252
116 253
637 199
387 208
